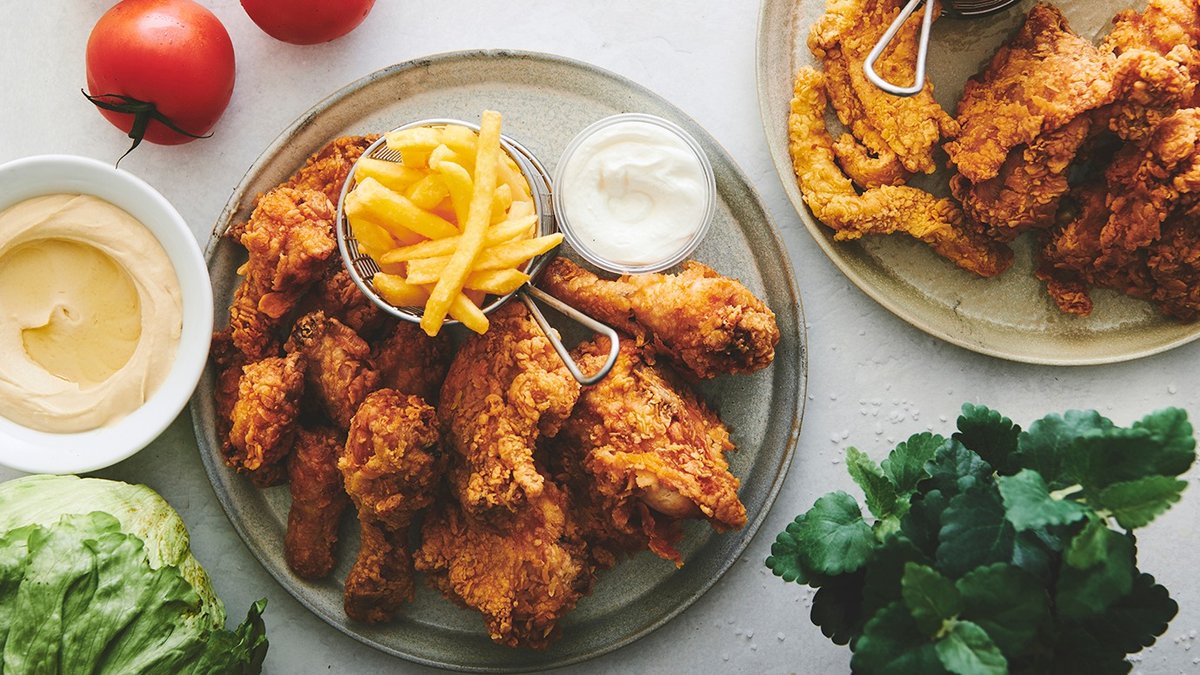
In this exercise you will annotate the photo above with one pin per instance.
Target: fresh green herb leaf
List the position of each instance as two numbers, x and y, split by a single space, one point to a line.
974 532
1046 446
930 597
837 607
891 644
1028 503
834 538
923 521
1087 590
1135 620
880 493
1135 503
955 469
1172 431
785 559
989 434
1007 602
906 464
967 650
881 587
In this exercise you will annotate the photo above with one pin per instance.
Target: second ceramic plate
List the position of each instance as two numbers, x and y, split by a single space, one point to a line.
1011 316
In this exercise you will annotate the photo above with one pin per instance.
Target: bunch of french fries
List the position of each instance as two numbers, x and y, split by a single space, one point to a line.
449 225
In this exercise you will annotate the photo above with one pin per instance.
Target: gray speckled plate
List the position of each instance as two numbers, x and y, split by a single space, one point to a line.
1011 316
545 101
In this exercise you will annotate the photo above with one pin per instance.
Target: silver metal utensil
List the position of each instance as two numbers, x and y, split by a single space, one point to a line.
954 8
362 267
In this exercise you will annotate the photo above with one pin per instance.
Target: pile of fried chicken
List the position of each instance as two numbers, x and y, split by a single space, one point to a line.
1093 148
519 484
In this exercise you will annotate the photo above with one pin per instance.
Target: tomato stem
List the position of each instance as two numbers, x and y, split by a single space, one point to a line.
143 112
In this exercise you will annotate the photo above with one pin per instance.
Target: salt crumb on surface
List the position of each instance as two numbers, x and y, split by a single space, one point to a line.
780 636
1172 389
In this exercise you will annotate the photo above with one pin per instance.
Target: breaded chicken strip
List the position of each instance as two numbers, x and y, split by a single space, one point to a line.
644 438
340 372
318 499
522 575
710 324
289 237
264 417
411 362
884 210
391 465
504 390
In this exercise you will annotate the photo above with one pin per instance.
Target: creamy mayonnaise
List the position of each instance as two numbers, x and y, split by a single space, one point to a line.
90 313
634 193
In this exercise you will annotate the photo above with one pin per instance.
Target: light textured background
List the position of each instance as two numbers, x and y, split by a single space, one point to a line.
873 379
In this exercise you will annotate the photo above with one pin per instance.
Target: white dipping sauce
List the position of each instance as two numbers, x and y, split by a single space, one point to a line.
634 193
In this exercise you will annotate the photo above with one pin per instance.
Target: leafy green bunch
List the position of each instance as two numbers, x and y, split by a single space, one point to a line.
996 550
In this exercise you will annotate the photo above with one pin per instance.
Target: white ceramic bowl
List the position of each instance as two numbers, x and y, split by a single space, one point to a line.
35 451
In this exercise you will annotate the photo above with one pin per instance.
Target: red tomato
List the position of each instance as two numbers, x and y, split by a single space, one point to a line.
172 54
307 22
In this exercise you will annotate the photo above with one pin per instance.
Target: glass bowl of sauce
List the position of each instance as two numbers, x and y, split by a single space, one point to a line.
634 193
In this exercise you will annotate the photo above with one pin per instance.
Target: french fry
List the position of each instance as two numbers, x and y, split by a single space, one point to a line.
443 153
372 239
476 297
391 174
386 207
521 208
508 255
512 177
501 200
419 139
432 248
468 313
459 184
397 291
496 282
449 285
414 158
428 192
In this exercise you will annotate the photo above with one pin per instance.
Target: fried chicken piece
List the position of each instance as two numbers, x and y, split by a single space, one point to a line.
318 499
289 238
411 362
340 372
710 324
1036 83
1148 87
227 362
327 169
1031 183
898 133
523 576
644 438
1174 265
504 390
1161 27
884 210
337 295
264 417
391 465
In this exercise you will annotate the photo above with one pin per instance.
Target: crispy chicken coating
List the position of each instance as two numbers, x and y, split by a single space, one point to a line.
884 210
644 438
318 499
289 238
504 390
327 169
411 362
264 417
340 372
337 295
523 575
391 465
710 324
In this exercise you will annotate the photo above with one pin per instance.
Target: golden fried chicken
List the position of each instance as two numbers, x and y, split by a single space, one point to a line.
898 134
710 324
645 439
391 465
523 575
883 210
289 237
337 295
504 390
318 499
263 418
340 372
1036 83
411 362
327 169
227 362
1161 27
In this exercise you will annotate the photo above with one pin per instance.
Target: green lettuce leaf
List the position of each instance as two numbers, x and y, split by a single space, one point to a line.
989 434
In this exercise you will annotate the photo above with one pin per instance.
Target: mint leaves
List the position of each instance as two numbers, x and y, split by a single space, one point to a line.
995 550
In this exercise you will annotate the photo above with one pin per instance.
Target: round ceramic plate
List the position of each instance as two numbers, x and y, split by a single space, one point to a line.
1010 316
545 101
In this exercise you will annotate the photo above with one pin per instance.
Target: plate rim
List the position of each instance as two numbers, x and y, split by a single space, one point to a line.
799 385
781 159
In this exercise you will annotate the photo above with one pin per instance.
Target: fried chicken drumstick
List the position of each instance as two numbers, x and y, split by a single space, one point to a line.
318 499
263 418
391 465
710 324
340 372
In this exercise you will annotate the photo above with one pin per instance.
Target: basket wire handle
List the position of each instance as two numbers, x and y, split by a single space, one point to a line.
614 342
922 48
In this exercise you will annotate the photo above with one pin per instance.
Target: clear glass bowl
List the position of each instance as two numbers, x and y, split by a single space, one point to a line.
669 259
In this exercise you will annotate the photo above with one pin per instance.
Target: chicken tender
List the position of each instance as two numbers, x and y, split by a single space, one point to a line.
327 169
411 362
391 465
264 417
318 499
340 372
